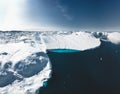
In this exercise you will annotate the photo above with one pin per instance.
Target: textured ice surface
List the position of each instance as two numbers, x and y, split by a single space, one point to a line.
76 41
114 37
24 64
24 67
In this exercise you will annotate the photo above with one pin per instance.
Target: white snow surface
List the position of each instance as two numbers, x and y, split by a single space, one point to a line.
24 64
114 37
76 40
24 67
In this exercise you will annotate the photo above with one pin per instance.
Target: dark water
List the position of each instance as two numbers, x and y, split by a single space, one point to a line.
95 71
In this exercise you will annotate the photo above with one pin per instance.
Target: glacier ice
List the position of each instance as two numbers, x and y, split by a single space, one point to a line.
24 67
114 37
24 64
76 41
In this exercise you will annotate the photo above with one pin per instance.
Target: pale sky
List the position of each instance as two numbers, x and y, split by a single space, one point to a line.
59 14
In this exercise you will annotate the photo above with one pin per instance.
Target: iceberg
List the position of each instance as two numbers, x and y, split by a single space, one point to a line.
24 64
114 37
76 41
24 67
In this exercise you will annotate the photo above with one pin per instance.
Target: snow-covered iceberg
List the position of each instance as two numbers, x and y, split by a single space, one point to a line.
24 64
24 67
75 40
114 37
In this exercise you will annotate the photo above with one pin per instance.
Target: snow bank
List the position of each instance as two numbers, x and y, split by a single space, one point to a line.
76 40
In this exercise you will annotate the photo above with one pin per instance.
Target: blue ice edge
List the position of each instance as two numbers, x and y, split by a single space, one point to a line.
64 50
45 83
